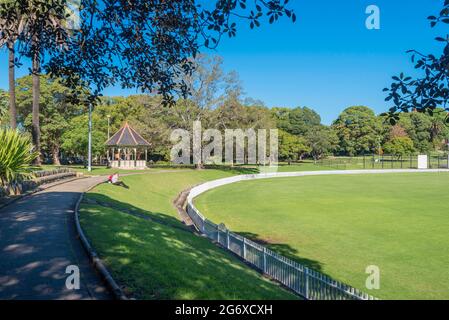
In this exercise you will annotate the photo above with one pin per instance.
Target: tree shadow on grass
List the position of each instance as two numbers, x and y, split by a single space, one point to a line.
105 201
234 169
283 249
155 260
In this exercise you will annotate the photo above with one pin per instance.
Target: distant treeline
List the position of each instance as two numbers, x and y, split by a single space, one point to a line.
357 130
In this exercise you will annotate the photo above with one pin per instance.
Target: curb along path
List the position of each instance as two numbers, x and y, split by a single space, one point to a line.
38 240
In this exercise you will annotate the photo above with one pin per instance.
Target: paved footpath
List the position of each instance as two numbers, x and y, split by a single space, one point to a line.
37 243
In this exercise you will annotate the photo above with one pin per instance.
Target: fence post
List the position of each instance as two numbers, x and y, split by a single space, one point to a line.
244 248
306 275
227 239
411 163
364 164
373 160
264 260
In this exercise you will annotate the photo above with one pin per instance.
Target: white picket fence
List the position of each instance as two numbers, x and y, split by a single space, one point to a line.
306 282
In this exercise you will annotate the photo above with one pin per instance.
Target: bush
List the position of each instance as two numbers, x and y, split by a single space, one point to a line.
399 146
16 154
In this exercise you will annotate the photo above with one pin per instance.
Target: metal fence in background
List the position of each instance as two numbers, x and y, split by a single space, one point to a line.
383 162
306 282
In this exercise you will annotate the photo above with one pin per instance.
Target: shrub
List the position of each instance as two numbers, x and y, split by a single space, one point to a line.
399 146
16 154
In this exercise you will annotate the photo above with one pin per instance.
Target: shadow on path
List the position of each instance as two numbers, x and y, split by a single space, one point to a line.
38 241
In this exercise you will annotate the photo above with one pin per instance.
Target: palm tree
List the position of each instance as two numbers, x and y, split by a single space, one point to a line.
35 71
12 85
30 25
50 25
12 25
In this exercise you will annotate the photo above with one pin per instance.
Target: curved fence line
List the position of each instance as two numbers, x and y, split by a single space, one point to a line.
304 281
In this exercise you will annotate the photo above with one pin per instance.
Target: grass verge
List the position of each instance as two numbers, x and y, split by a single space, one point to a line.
161 259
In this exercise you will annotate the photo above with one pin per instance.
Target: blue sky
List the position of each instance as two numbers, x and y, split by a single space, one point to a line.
327 60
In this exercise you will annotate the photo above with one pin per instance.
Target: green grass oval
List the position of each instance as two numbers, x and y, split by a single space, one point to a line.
341 224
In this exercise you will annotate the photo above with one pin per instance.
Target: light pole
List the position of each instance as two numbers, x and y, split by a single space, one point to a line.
379 146
109 121
89 152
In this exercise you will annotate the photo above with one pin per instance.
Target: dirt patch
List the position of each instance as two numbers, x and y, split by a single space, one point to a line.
179 204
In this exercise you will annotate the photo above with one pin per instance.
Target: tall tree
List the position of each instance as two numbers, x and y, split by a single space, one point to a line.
207 83
36 87
12 87
43 32
54 118
322 140
292 147
358 129
297 121
142 44
209 87
12 24
47 28
418 127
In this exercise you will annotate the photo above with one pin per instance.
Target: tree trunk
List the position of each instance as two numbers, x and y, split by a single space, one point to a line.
55 153
36 133
199 166
12 86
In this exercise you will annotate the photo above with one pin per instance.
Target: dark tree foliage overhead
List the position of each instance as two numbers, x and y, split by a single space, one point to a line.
150 44
430 91
37 26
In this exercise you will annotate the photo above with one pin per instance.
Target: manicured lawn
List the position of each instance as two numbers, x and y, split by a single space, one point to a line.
161 259
302 166
342 224
154 193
